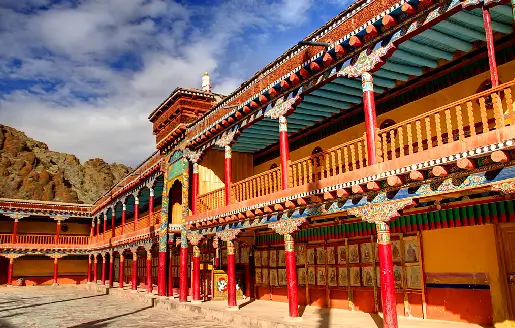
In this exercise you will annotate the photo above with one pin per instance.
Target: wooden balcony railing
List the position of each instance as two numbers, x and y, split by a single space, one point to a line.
44 239
73 240
257 185
457 121
5 238
211 200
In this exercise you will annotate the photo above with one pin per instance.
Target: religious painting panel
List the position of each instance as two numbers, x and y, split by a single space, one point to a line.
411 251
264 258
353 254
258 277
237 253
368 276
366 253
300 254
355 276
321 276
396 251
224 256
281 258
331 256
265 276
342 255
273 278
244 257
257 258
343 277
311 275
272 258
311 255
320 255
414 276
397 276
332 279
282 277
378 276
302 276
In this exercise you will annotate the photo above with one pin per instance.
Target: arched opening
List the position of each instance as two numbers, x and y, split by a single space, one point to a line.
158 196
175 203
118 208
109 215
129 207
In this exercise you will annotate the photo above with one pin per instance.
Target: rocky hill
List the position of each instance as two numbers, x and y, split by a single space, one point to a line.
29 170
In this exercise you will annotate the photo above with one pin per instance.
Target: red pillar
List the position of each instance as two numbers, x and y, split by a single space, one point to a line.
135 270
105 226
15 232
92 232
284 151
149 271
196 275
161 273
248 284
136 212
10 272
124 210
228 174
170 273
370 116
89 268
194 189
388 297
57 230
291 275
95 268
150 207
111 269
231 276
55 271
487 21
113 217
183 275
103 269
98 227
120 279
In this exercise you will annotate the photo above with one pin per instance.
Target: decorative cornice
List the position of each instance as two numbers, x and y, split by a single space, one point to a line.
228 235
367 62
381 212
194 237
287 227
506 187
226 139
282 107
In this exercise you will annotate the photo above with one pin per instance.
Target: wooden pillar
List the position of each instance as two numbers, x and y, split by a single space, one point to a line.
161 270
248 281
231 277
170 273
111 269
95 269
388 297
15 232
149 271
284 151
370 116
124 210
120 279
105 226
113 217
183 274
228 174
98 226
89 269
291 276
57 230
195 288
150 207
56 269
487 21
103 269
136 211
92 232
194 189
10 272
217 253
135 270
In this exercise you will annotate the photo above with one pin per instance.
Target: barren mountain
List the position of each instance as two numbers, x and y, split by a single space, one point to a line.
29 170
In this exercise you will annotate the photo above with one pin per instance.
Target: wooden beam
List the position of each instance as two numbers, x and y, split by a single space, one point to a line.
417 175
258 212
289 204
500 156
395 180
358 189
341 193
315 199
278 207
268 210
466 163
301 202
440 171
328 195
373 186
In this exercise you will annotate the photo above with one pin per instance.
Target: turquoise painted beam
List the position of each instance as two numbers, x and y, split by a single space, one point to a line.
354 84
391 75
307 111
265 124
317 108
336 96
306 116
461 30
385 83
342 89
447 40
468 18
300 121
403 69
433 52
256 140
335 104
414 59
504 10
266 133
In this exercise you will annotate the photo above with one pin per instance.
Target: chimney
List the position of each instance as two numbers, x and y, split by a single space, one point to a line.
206 83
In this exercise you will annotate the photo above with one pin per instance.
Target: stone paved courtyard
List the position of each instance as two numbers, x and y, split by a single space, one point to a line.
71 307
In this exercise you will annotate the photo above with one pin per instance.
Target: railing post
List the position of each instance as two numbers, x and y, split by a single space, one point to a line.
98 226
136 211
57 230
113 217
228 173
487 21
370 116
124 211
15 231
150 206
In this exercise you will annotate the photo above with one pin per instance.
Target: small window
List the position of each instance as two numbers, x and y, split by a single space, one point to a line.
273 166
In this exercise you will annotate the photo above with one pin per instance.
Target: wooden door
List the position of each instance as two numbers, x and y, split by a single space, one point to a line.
508 249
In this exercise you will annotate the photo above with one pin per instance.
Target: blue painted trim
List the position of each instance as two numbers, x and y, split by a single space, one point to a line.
422 48
337 96
403 69
447 40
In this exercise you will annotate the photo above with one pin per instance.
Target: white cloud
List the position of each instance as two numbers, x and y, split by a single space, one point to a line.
78 102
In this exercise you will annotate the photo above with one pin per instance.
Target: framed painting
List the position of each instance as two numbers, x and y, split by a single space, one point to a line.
257 258
320 255
368 276
302 276
258 277
321 277
343 277
264 258
396 251
311 255
332 279
342 254
414 276
331 256
282 277
311 275
411 251
300 254
266 276
355 276
397 276
366 253
224 256
272 258
273 278
353 254
281 259
244 257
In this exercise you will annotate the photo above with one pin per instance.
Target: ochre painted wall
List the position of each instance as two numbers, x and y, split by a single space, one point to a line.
453 93
211 169
465 250
45 267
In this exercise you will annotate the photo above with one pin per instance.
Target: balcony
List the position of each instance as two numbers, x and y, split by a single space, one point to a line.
41 239
476 121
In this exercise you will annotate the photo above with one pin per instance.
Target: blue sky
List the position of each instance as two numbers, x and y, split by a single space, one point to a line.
83 75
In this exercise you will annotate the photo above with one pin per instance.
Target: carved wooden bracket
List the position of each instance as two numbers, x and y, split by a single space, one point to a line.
194 237
226 139
282 108
366 62
228 235
506 187
287 227
380 212
192 156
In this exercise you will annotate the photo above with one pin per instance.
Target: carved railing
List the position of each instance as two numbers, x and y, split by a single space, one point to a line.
5 238
257 185
36 239
211 200
465 118
337 160
73 240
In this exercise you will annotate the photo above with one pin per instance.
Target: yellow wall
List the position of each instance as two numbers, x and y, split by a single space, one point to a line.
28 226
462 250
211 169
45 267
453 93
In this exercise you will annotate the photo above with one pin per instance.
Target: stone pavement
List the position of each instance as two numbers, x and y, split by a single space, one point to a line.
72 307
